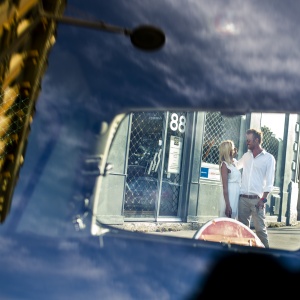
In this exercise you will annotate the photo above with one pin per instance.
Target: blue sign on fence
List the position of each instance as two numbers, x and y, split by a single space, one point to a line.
204 172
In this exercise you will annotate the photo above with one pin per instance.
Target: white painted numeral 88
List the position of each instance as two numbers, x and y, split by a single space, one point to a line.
178 124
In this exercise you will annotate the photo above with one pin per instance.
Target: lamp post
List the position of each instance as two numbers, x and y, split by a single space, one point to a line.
144 37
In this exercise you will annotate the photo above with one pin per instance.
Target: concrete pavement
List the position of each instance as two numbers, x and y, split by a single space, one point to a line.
284 237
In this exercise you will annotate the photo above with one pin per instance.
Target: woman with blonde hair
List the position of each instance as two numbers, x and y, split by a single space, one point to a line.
231 180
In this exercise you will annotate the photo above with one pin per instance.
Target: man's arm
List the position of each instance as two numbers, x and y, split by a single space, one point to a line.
239 163
270 175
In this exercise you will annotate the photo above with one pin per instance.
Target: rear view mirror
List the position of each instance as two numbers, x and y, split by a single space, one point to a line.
166 167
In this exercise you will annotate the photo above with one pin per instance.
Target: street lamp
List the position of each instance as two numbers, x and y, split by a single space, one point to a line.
144 37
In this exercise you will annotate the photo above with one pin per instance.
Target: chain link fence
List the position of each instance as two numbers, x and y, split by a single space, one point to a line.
143 163
217 129
148 182
269 142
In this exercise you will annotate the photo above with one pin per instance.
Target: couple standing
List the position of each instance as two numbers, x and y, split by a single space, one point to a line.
244 195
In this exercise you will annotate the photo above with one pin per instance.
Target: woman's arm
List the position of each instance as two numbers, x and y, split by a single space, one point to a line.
224 176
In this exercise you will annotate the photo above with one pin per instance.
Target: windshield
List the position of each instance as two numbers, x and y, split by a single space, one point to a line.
218 74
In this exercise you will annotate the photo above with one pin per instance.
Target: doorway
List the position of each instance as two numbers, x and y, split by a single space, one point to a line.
154 159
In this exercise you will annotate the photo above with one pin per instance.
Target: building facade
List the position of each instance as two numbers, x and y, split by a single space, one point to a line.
26 39
167 170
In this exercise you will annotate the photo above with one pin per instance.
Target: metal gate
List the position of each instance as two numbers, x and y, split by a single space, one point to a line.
218 128
154 162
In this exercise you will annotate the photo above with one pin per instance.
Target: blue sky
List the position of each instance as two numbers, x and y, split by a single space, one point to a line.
241 53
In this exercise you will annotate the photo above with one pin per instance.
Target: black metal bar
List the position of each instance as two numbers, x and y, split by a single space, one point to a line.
99 25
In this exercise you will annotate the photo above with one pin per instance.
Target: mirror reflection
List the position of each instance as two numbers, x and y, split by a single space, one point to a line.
149 171
168 169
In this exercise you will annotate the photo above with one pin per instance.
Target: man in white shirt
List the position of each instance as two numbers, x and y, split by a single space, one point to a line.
257 182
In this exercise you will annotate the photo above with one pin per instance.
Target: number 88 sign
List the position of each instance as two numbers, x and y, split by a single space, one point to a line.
177 123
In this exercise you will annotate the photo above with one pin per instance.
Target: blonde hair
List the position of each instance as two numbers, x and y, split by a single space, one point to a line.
225 151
